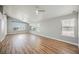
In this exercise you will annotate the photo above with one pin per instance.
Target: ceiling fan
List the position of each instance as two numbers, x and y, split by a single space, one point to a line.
39 10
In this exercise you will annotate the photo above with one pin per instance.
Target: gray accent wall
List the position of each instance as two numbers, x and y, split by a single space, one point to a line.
52 28
1 9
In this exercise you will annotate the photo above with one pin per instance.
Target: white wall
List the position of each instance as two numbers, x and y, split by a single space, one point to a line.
52 28
13 23
78 29
3 26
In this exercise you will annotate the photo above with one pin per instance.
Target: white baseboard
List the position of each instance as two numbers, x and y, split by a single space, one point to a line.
55 38
17 32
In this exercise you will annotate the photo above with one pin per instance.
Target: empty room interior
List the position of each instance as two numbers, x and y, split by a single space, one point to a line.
39 29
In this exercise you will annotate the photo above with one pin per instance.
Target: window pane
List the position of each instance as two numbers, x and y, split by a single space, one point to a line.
68 27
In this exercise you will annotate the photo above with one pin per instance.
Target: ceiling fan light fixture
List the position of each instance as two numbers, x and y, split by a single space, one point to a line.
36 12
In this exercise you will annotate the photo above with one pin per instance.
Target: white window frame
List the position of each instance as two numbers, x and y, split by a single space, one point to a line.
68 27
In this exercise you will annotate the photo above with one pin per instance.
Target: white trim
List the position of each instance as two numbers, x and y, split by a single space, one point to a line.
17 32
55 38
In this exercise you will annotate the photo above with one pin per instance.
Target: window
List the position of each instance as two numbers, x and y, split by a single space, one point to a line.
68 27
38 27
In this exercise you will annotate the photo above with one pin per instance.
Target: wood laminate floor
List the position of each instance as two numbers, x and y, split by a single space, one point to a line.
33 44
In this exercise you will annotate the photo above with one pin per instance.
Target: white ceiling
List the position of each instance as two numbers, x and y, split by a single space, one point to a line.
27 13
